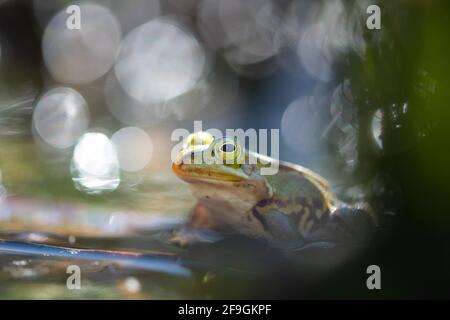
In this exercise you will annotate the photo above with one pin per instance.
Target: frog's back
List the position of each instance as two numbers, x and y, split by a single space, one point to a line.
295 179
301 203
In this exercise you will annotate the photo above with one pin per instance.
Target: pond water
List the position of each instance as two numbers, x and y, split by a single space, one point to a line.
148 262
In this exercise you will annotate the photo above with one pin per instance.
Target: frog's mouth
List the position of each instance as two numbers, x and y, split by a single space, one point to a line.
190 173
228 185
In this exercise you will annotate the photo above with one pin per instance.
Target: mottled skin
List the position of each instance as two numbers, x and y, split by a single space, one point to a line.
294 204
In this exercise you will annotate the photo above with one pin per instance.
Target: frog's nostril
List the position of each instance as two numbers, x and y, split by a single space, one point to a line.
177 161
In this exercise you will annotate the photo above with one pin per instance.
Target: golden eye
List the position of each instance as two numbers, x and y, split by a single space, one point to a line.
228 150
198 139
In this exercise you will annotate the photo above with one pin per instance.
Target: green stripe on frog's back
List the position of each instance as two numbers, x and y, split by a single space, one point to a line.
291 178
296 180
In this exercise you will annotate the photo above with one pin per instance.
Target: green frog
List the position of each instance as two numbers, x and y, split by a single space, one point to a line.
294 204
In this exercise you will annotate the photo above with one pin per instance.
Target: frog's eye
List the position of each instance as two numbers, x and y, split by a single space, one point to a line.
198 139
228 150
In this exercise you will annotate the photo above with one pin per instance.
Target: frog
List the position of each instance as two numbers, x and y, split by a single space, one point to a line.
293 205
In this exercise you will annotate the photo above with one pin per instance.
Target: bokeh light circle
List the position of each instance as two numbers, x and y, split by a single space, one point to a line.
376 126
159 61
301 125
131 15
251 29
60 117
95 165
312 52
134 148
84 55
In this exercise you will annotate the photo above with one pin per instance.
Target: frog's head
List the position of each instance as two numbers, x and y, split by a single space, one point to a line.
220 171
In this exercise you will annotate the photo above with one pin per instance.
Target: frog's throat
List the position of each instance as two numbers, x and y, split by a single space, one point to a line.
237 197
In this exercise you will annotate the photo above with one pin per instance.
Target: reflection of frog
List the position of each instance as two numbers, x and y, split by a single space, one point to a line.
294 204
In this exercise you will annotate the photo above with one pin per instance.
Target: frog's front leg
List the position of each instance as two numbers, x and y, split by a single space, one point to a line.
201 227
201 217
204 217
269 225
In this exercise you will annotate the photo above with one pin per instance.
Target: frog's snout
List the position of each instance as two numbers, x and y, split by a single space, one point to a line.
182 162
177 167
180 158
177 161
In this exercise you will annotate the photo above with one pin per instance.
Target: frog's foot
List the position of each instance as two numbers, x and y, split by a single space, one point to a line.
200 228
350 224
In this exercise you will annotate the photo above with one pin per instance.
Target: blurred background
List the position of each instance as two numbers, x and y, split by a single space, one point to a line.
86 117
